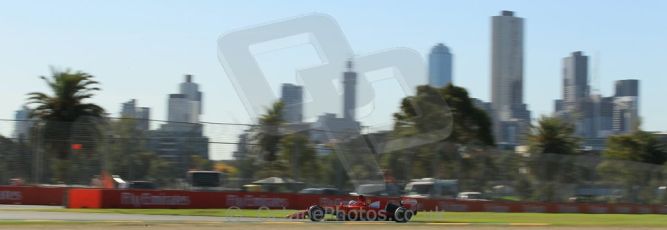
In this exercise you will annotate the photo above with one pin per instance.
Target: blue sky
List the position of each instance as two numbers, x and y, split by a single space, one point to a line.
141 49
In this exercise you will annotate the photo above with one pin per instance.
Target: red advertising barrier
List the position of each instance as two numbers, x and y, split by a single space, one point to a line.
84 198
32 195
112 198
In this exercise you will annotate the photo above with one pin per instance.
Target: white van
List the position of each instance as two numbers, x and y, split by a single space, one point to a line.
432 188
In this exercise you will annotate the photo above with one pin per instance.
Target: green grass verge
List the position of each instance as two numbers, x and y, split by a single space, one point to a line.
648 220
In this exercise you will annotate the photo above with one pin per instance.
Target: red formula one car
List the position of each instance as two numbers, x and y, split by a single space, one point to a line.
363 209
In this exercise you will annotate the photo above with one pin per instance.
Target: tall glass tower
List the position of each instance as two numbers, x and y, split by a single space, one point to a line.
511 116
506 64
350 92
575 81
292 97
439 66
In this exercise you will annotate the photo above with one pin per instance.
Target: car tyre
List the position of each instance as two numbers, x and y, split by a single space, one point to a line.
353 215
402 215
408 215
316 213
340 216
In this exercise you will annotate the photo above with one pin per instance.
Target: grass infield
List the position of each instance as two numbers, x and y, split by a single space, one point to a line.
647 220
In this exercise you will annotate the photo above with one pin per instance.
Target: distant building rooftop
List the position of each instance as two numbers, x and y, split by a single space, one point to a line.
507 13
177 95
440 48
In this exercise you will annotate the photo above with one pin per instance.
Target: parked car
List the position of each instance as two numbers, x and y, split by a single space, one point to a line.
140 184
377 190
432 188
204 180
471 196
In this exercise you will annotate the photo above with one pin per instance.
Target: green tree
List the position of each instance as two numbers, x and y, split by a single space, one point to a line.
639 146
268 134
59 111
472 126
125 153
445 109
247 167
14 160
263 159
272 169
333 171
197 162
440 133
553 136
7 158
524 188
163 172
299 154
553 147
358 160
635 161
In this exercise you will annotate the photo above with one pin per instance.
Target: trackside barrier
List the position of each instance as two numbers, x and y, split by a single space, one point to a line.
114 198
32 195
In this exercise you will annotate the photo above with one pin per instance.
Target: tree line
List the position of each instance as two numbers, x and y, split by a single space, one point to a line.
438 133
71 141
441 133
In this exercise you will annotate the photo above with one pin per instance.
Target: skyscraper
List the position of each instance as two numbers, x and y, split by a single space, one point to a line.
182 136
128 109
439 66
575 81
350 92
23 123
625 116
185 106
241 147
140 114
624 88
192 93
506 63
329 127
577 105
606 114
143 116
597 117
511 116
292 98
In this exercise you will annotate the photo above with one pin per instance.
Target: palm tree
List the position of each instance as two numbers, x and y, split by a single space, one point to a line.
553 149
553 136
59 111
268 135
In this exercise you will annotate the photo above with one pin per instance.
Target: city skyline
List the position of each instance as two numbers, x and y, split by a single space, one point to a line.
440 66
224 102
